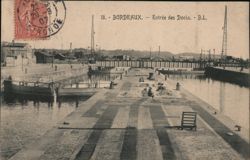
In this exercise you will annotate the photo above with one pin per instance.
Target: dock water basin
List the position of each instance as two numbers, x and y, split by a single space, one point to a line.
226 98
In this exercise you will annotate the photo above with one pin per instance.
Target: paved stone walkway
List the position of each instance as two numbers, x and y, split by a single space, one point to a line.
123 124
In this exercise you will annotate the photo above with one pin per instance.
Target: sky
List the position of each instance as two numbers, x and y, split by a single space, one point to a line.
176 36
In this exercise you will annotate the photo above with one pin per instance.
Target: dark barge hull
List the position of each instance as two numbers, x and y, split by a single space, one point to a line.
24 89
235 77
181 72
44 90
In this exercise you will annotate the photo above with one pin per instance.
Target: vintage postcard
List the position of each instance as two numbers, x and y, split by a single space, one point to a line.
124 80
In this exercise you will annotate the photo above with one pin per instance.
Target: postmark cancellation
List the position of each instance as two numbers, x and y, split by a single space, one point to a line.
37 19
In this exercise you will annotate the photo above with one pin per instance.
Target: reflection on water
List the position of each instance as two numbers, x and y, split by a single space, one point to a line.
222 97
26 118
24 100
229 99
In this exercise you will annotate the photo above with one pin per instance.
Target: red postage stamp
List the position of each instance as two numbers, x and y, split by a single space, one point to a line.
37 19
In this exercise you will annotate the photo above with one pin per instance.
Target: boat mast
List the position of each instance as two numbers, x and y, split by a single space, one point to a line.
224 41
150 54
92 50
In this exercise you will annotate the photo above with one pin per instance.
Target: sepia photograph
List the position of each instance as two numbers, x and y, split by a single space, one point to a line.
124 80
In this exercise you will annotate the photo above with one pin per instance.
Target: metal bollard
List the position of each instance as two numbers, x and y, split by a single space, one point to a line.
111 85
238 127
178 86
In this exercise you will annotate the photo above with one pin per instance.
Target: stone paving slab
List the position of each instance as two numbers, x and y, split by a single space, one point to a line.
122 117
65 145
144 118
129 151
148 146
79 123
201 146
56 144
109 145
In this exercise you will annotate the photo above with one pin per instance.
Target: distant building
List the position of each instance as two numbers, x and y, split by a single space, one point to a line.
43 57
16 54
122 57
